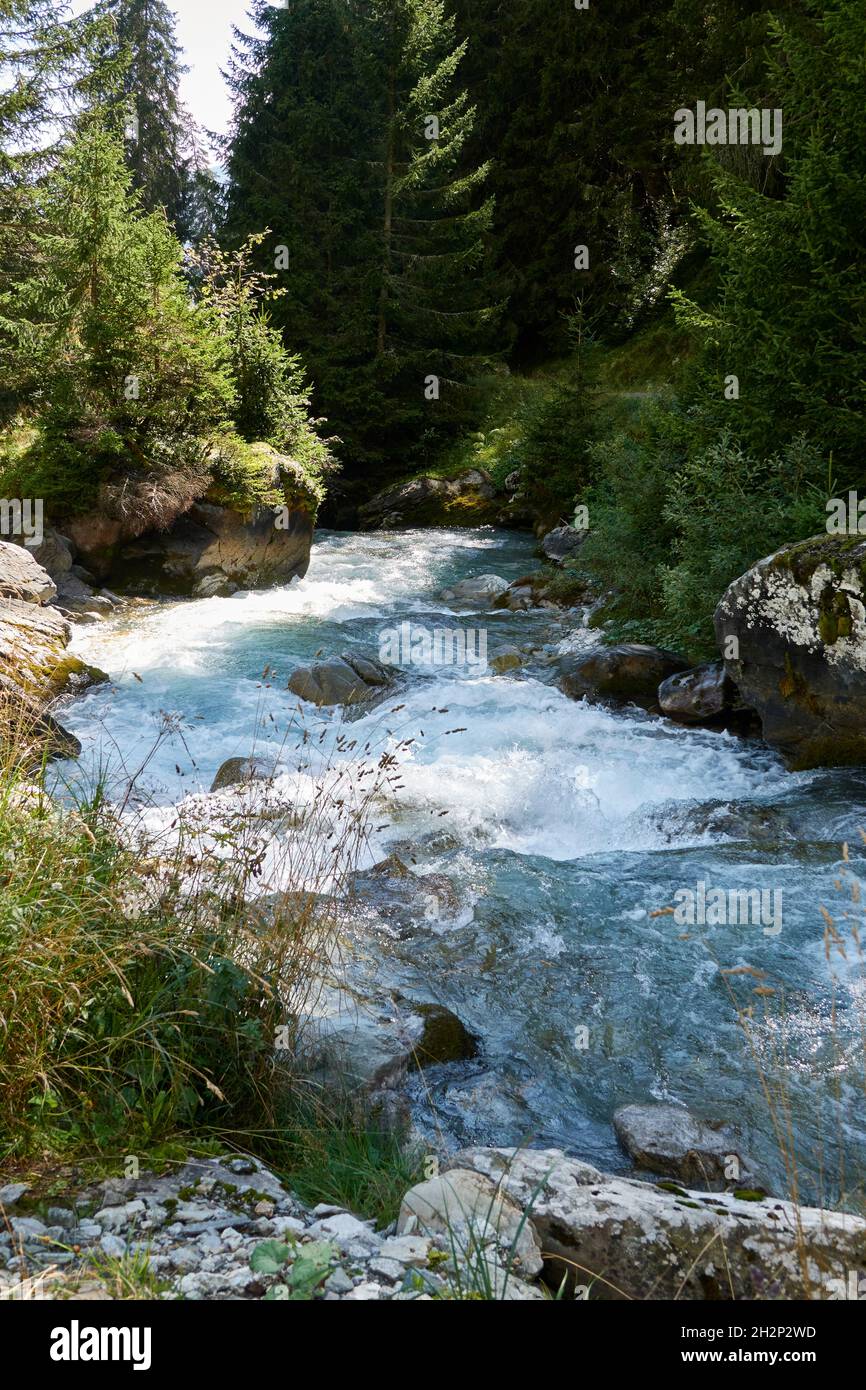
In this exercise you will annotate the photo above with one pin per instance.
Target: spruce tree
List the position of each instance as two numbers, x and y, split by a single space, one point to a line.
789 320
349 142
161 137
125 378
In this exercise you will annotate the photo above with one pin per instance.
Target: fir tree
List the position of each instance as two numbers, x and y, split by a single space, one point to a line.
162 142
125 378
380 227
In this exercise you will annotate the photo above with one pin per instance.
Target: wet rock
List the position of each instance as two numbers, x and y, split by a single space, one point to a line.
482 589
629 672
349 679
236 771
475 1216
561 542
405 899
74 596
373 1044
668 1139
694 697
639 1240
505 659
792 631
469 500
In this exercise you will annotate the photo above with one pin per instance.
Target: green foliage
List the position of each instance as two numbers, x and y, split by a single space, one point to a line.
303 1267
164 148
122 373
272 403
789 319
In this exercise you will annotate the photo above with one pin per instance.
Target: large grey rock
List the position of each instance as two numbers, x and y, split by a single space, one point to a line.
34 665
74 596
633 1239
236 771
54 553
477 1217
193 540
481 589
630 671
561 542
469 500
22 577
667 1139
349 679
703 694
792 632
372 1044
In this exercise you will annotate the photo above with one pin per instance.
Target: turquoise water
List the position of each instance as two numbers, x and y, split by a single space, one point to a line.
563 829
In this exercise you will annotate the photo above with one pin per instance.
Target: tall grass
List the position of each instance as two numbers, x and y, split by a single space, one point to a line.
156 975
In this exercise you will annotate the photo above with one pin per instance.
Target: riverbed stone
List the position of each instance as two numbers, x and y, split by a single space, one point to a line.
697 696
467 500
668 1139
560 543
349 679
481 589
629 672
237 771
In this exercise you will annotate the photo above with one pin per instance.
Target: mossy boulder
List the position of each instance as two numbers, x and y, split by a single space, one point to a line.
468 500
792 633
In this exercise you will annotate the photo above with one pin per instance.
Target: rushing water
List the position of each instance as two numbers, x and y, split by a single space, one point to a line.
568 829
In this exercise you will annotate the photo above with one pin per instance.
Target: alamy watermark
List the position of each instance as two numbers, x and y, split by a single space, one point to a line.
735 907
739 126
411 645
846 517
23 517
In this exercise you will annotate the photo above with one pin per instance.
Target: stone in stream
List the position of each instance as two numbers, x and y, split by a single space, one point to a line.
629 672
481 589
372 1044
792 632
668 1139
349 679
468 500
696 696
235 771
505 659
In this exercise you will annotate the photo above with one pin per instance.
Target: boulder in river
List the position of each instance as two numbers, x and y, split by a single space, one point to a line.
480 590
636 1240
237 771
193 535
668 1139
468 500
371 1044
629 672
703 695
349 679
792 632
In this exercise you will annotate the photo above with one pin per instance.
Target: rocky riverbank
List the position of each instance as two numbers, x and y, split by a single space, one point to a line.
522 1225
